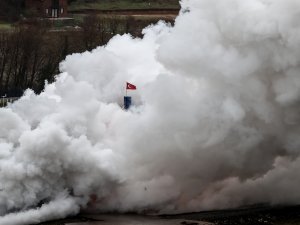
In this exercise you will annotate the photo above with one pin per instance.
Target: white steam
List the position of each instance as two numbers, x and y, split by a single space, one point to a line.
216 121
56 209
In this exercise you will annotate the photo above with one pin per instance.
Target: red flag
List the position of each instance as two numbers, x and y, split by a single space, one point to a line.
130 86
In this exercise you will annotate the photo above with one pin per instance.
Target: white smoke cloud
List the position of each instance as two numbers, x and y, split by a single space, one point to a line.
215 122
54 210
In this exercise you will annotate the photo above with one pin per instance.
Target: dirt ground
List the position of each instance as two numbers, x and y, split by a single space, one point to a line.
124 220
136 220
257 215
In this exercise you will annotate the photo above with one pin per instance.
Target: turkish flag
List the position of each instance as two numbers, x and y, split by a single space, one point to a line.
130 86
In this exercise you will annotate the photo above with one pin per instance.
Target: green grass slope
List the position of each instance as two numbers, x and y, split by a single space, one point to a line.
123 4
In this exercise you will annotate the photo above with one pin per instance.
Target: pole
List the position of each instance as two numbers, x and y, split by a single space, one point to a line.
4 96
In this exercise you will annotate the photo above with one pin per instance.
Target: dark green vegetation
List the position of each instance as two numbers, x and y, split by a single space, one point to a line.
10 10
14 10
123 4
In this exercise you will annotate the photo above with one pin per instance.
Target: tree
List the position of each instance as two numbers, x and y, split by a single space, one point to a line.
10 10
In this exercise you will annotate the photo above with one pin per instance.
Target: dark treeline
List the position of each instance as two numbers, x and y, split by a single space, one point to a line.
10 10
30 54
28 57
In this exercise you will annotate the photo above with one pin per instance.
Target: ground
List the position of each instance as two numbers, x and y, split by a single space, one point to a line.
258 215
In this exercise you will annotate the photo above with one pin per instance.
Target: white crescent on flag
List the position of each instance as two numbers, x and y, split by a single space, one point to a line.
130 86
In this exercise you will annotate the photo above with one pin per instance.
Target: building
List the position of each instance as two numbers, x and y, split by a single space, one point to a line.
47 8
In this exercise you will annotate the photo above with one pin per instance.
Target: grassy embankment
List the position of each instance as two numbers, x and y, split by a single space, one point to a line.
80 8
5 26
124 5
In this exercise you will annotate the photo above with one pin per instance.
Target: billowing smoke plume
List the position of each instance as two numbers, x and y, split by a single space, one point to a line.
215 122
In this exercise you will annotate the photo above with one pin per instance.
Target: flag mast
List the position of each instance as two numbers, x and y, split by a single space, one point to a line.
127 99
